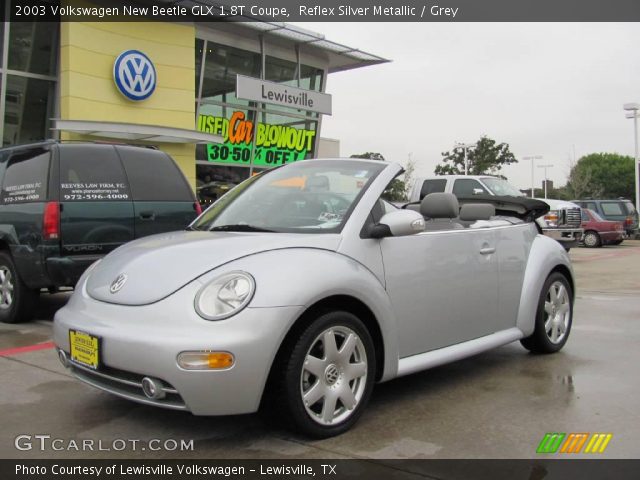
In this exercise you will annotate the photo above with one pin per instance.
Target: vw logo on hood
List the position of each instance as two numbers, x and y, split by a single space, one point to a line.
134 74
118 283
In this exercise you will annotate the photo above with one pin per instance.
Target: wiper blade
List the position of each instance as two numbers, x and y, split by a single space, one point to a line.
240 227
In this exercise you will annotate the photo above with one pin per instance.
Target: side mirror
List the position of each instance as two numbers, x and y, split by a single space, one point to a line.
398 223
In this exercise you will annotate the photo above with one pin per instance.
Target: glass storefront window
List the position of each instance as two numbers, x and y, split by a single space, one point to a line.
28 107
280 71
311 78
33 47
213 181
222 64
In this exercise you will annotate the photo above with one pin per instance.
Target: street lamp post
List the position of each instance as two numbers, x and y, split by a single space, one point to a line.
633 108
545 177
533 158
466 161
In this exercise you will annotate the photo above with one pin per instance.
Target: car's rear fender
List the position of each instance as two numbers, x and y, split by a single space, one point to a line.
546 256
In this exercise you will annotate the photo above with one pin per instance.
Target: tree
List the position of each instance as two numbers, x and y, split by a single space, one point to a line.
486 157
602 175
398 190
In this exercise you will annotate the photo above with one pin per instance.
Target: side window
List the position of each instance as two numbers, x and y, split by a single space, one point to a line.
611 208
432 186
585 217
91 173
591 206
468 186
154 176
26 177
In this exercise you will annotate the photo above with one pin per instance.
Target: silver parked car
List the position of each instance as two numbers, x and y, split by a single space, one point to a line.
303 286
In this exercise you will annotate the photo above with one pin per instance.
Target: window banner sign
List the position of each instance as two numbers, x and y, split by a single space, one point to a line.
275 144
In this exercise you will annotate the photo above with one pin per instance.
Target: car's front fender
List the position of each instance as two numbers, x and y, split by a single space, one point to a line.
305 276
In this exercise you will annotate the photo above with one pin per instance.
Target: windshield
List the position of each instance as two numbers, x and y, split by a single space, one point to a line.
501 187
304 197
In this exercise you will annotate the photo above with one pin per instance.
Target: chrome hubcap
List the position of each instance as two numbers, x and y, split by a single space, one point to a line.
590 240
6 288
557 308
334 375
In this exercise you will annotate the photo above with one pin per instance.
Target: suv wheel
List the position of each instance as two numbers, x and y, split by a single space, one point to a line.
17 301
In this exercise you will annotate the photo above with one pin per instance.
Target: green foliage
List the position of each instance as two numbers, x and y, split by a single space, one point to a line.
486 157
398 190
602 175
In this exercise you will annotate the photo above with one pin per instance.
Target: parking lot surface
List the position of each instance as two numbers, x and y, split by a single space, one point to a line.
498 404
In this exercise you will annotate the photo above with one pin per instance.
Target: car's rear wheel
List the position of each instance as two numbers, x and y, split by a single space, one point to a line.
592 239
17 301
553 317
328 374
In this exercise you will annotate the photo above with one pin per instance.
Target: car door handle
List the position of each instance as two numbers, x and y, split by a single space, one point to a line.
487 250
147 215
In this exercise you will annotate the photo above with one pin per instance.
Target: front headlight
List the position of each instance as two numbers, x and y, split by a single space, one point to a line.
551 218
225 296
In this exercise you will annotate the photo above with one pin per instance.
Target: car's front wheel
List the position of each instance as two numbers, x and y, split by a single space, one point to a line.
327 376
553 316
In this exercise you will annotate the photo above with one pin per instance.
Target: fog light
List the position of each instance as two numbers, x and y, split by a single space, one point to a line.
152 388
205 360
62 356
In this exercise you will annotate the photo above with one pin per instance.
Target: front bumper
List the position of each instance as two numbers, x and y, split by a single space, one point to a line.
568 237
146 340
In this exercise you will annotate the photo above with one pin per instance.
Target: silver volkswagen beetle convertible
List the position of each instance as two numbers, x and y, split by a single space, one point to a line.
302 287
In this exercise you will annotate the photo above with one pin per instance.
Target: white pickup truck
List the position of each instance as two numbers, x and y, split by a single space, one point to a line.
562 222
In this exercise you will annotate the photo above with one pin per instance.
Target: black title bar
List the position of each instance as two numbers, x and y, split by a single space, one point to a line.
325 10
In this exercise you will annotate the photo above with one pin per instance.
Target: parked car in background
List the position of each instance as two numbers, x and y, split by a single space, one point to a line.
598 231
65 205
301 288
617 210
562 222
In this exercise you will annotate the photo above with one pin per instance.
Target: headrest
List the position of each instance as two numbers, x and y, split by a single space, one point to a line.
440 205
319 183
470 212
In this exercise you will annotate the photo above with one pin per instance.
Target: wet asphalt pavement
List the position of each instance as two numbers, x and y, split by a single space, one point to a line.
495 405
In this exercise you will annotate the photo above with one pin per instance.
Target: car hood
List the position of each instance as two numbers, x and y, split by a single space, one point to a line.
558 204
158 265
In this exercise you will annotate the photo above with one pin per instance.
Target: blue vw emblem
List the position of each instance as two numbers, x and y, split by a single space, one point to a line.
134 74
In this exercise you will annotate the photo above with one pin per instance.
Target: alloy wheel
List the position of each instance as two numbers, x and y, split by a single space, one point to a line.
334 375
6 288
557 308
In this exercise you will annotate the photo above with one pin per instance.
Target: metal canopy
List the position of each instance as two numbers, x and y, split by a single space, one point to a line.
135 132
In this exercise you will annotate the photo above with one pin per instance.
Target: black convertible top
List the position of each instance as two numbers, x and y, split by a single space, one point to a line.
525 208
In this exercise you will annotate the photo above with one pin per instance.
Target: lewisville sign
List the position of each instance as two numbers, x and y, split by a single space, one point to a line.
262 91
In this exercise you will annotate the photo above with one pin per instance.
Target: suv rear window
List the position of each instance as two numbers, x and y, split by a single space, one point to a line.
154 176
612 208
26 177
467 186
631 208
91 173
432 186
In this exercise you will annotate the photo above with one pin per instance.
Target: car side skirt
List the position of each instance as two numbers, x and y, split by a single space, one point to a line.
424 361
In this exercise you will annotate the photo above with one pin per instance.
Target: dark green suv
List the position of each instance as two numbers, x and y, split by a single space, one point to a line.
65 205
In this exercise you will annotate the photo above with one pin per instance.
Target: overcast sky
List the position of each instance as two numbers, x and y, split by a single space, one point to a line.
542 88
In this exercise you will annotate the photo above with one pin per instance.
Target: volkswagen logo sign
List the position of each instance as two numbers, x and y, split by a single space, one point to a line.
118 283
135 75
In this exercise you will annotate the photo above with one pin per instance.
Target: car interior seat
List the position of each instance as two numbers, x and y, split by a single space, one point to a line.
476 215
439 209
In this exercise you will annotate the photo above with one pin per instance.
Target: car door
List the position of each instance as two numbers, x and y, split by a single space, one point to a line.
162 198
443 286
